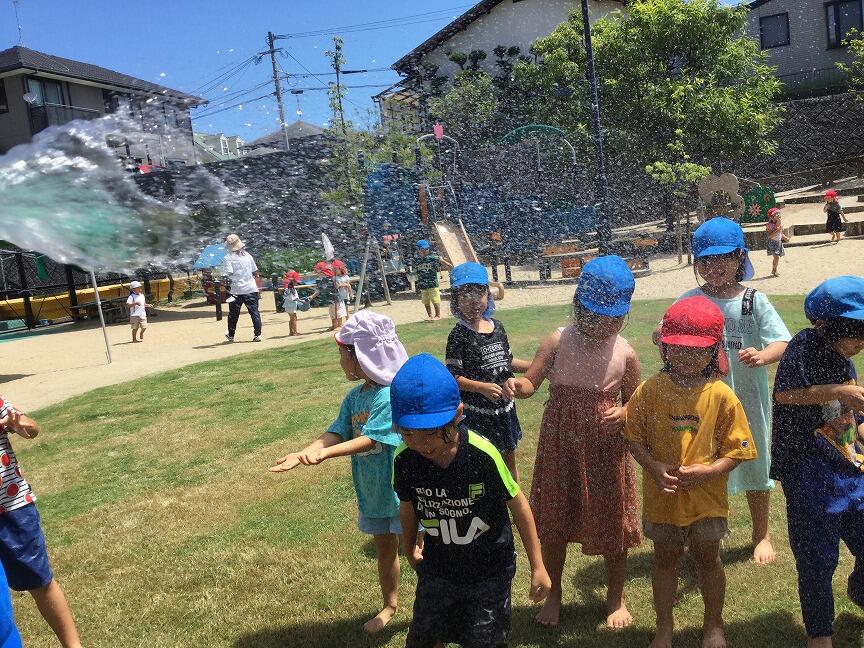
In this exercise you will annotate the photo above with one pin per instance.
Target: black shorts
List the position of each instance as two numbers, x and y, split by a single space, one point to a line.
473 615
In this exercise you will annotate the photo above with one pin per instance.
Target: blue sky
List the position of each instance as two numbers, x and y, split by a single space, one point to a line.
188 41
185 44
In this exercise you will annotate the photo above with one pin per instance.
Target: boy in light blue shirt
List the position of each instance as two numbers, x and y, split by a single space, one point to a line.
369 351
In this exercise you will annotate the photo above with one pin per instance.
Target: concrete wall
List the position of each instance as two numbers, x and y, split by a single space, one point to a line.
14 125
806 62
512 23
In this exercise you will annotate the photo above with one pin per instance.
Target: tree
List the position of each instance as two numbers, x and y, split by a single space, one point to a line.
467 109
855 69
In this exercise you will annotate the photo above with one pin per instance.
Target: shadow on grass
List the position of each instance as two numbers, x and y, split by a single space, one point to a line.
341 633
849 630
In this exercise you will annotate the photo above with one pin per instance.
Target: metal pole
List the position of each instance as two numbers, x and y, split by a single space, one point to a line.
604 230
270 39
101 315
359 295
217 293
383 272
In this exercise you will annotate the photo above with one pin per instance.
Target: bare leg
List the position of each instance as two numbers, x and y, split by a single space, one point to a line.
55 610
141 335
774 265
618 616
438 311
428 311
387 550
820 642
134 335
664 583
509 457
554 555
712 583
763 550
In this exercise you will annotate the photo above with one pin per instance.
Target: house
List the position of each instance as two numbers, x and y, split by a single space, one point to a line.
218 147
275 141
804 40
39 90
484 26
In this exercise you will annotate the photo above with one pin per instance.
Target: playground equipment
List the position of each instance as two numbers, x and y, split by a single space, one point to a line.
720 196
757 202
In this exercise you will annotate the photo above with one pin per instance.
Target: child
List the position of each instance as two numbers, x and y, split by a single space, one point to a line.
326 289
688 430
22 543
291 298
776 238
478 355
369 350
455 484
137 310
427 269
584 487
818 448
754 337
832 208
343 288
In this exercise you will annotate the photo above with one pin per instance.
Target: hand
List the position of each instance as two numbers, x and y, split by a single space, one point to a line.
524 388
286 463
509 389
655 337
492 391
751 357
415 556
851 396
19 423
613 419
666 476
541 585
313 457
690 476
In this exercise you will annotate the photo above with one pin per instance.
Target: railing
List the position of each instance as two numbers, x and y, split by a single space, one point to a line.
41 117
812 81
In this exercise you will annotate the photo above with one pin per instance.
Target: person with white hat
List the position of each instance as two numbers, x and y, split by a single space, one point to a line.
369 351
137 304
240 268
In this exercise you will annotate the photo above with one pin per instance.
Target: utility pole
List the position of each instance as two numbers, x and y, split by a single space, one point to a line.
338 60
270 38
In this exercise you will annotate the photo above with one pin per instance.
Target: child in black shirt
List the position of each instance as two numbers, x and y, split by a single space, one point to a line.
478 355
455 485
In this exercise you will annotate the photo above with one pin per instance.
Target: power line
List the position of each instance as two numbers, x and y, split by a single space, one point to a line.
319 79
223 109
429 16
236 69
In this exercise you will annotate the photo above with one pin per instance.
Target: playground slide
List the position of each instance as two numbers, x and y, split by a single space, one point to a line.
454 244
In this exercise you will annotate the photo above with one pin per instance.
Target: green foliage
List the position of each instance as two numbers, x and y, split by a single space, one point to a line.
301 259
855 69
459 58
468 108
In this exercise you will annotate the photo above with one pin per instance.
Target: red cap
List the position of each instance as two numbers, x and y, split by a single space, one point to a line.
324 268
831 193
292 276
695 322
772 211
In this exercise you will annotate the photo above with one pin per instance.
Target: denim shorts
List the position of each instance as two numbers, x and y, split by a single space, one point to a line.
379 525
22 549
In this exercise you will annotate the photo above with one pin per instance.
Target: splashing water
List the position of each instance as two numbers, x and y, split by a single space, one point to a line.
66 195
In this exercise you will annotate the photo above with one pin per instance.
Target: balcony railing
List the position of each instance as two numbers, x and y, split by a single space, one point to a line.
41 117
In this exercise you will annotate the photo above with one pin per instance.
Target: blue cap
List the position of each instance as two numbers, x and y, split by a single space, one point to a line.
424 395
836 297
423 244
468 273
721 236
606 285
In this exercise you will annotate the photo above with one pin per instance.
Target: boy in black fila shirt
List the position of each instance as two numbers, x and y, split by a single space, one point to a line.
455 485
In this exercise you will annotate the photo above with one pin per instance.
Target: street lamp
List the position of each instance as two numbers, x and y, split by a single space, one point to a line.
604 229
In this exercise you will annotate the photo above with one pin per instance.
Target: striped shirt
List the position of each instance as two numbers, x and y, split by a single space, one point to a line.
15 492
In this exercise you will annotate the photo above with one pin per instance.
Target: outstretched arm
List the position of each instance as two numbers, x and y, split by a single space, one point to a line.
524 520
540 366
311 454
20 424
851 396
769 355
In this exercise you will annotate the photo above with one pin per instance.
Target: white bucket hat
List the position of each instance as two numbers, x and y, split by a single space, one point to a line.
233 243
135 284
376 345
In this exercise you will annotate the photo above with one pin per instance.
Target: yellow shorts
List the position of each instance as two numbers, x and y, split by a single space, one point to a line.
430 296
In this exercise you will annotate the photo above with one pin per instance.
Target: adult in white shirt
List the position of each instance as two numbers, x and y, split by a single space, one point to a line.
240 268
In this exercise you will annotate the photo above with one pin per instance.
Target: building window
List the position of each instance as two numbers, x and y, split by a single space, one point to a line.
842 18
774 31
46 91
223 146
4 104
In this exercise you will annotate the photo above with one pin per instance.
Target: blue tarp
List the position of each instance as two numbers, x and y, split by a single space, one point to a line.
210 257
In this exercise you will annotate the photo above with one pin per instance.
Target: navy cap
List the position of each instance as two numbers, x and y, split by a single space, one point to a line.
422 244
721 236
836 297
468 273
606 285
424 394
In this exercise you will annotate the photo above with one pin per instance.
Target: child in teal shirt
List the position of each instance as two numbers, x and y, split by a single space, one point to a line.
369 351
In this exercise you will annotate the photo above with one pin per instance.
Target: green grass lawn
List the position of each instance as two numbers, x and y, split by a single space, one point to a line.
165 528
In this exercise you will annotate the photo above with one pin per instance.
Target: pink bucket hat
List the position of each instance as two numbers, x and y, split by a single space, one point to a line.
376 345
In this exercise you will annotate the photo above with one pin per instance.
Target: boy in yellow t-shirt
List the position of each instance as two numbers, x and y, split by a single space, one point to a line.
688 430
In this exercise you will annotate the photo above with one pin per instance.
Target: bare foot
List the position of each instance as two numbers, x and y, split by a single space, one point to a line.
819 642
619 616
662 638
713 638
377 623
550 612
763 552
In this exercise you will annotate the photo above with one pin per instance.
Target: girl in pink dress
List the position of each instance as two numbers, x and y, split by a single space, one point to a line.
584 487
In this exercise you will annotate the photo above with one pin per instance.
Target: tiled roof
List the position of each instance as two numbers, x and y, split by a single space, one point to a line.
297 130
22 57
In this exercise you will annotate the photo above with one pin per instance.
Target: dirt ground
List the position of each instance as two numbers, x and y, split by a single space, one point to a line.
64 361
